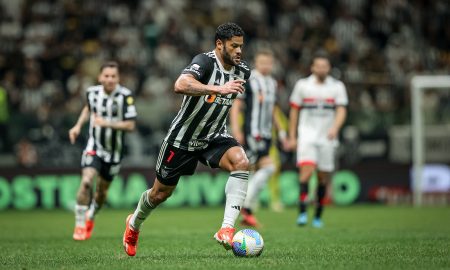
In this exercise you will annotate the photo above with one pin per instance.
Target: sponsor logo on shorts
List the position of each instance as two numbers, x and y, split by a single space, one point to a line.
88 160
197 143
164 173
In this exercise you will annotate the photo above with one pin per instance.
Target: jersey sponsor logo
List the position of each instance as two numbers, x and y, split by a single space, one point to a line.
210 98
224 101
197 143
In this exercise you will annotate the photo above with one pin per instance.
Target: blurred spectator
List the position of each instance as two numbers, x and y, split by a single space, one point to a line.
4 119
26 154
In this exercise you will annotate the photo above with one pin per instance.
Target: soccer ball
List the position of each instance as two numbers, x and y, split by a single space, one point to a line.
247 243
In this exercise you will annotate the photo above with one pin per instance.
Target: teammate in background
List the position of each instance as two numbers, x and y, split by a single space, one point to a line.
257 104
111 111
322 100
210 84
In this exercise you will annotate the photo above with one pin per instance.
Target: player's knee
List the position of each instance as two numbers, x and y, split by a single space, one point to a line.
240 164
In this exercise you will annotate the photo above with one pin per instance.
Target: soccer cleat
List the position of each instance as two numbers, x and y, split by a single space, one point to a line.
130 238
317 223
302 219
248 219
79 234
225 237
89 228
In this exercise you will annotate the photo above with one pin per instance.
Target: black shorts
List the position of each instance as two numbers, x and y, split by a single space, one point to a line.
106 170
174 162
256 149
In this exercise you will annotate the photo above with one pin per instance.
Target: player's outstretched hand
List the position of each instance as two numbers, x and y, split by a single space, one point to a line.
232 87
73 134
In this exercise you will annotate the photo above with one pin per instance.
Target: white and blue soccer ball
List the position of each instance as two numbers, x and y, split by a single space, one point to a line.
248 243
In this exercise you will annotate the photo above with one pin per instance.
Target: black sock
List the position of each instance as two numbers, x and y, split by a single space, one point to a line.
321 190
303 197
248 211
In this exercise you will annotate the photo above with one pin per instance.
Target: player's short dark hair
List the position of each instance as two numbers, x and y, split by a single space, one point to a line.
228 30
321 54
109 64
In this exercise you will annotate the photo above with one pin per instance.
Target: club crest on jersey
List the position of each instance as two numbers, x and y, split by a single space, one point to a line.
130 100
224 101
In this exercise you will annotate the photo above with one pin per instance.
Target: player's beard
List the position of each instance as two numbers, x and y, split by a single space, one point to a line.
227 58
109 88
322 77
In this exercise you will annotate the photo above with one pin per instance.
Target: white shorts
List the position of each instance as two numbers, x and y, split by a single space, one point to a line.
321 156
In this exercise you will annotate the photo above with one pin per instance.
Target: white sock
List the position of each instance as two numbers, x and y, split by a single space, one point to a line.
80 215
143 210
256 184
235 191
93 209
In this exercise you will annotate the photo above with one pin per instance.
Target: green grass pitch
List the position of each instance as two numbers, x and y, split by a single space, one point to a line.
356 237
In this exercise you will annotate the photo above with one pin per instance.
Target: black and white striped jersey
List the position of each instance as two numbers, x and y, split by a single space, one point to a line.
202 118
107 143
259 99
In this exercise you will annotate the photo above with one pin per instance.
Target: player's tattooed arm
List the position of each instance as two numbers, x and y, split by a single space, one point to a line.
187 84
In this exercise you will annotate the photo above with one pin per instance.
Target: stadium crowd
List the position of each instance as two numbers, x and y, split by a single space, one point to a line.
51 50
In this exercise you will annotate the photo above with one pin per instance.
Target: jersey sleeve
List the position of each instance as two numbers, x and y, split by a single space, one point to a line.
200 66
247 71
296 96
129 109
341 97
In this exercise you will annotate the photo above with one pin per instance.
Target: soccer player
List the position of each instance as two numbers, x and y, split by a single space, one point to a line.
322 101
210 84
111 112
257 104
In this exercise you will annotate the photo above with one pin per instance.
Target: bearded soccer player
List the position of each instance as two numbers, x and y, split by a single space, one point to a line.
318 111
111 113
210 84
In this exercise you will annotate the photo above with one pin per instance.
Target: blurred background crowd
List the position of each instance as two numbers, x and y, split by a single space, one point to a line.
51 51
